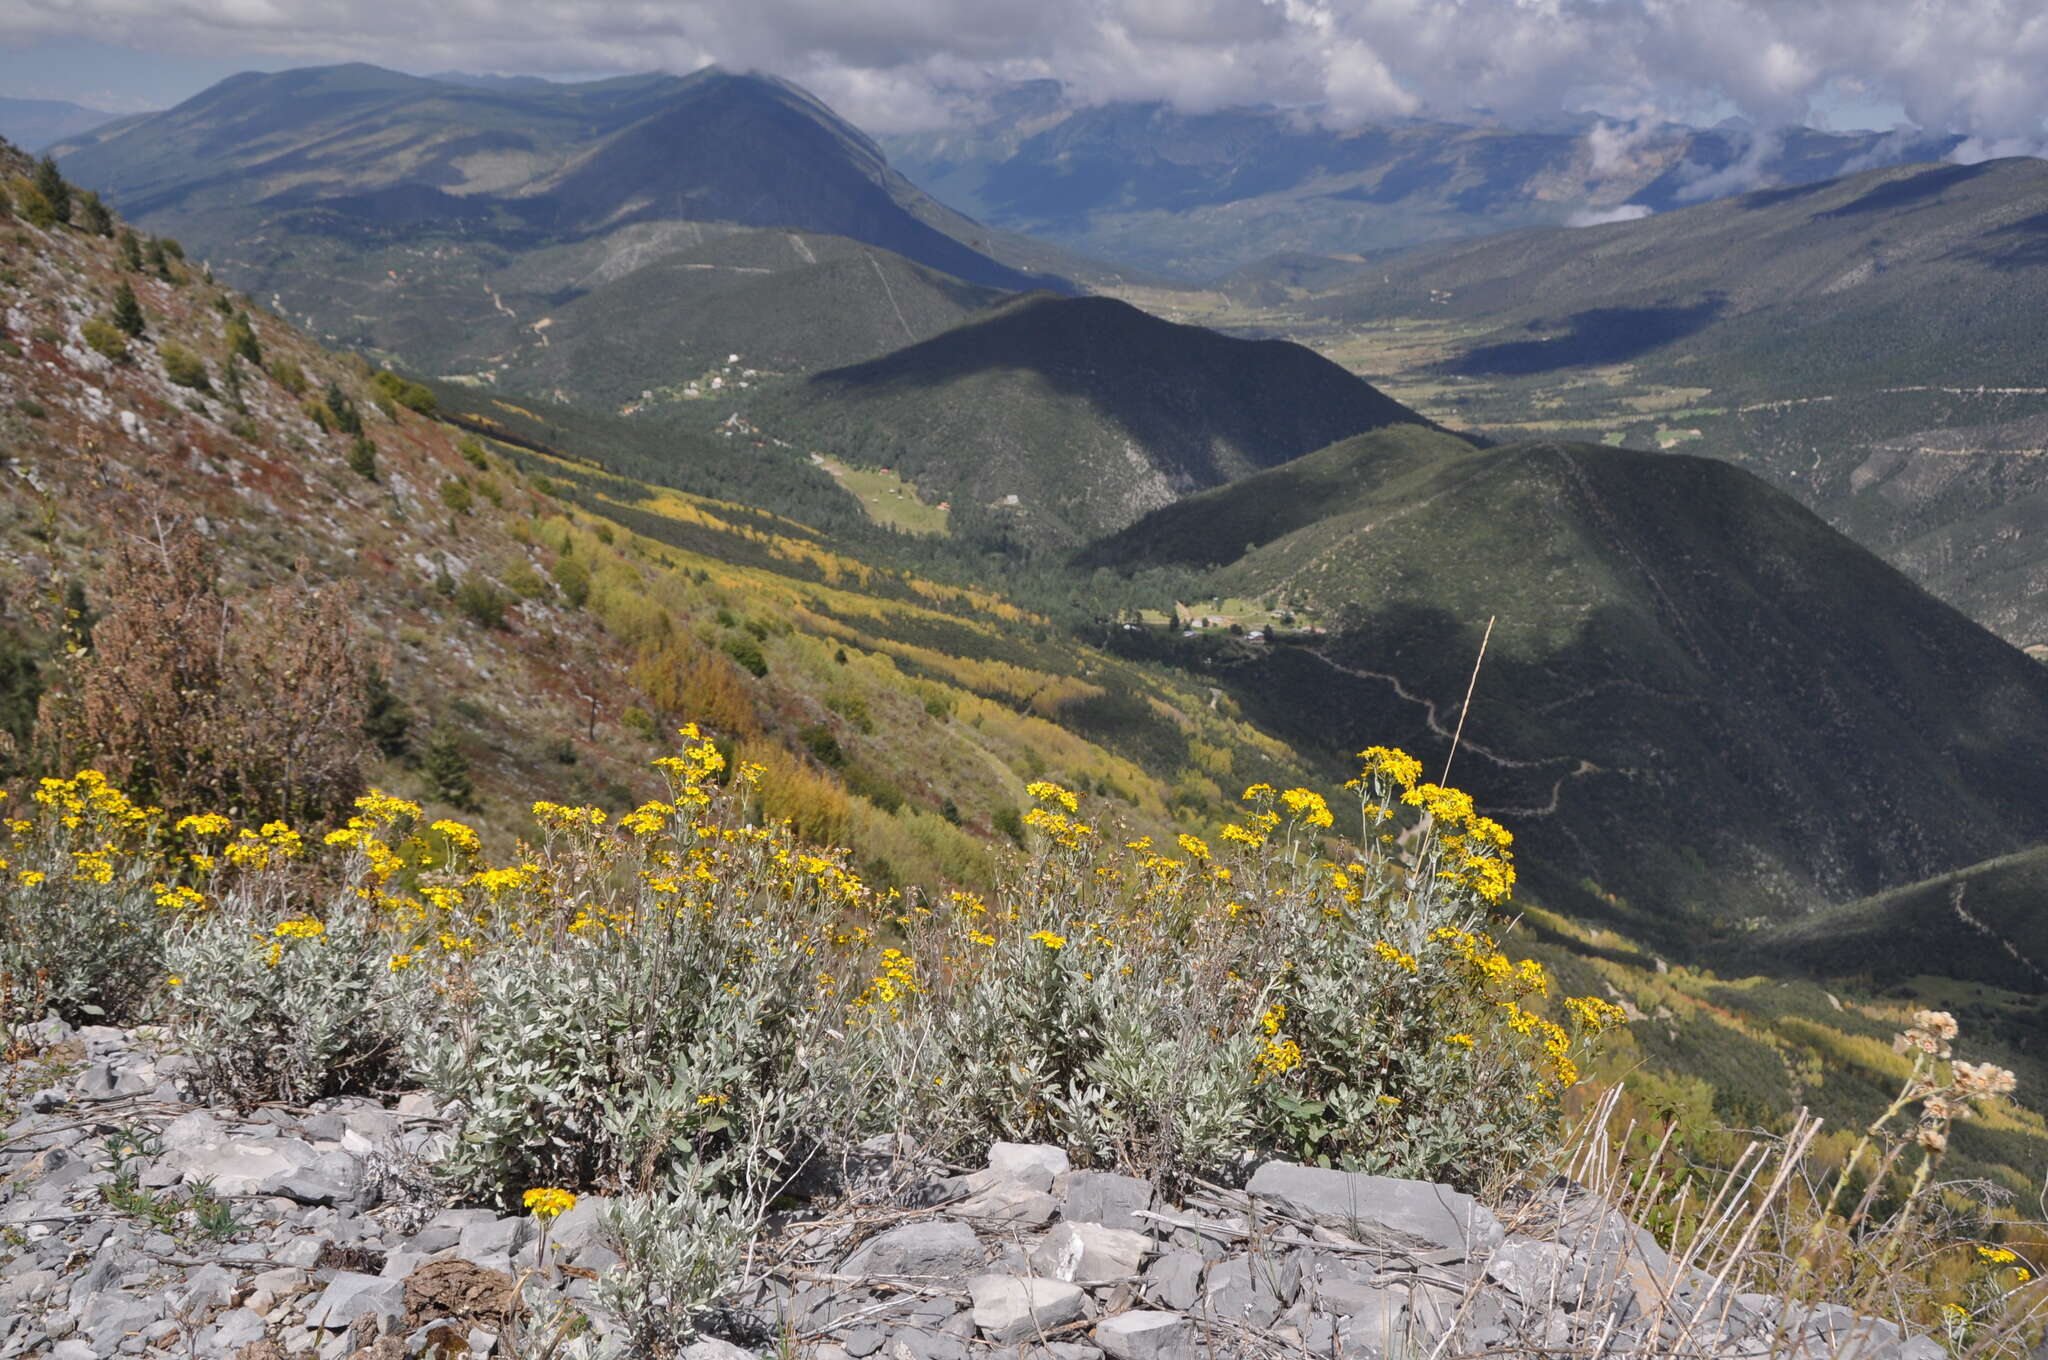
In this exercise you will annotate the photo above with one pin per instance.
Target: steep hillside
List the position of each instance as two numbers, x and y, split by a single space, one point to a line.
1065 418
1920 274
782 302
543 619
1198 195
1867 344
1984 924
1697 699
442 221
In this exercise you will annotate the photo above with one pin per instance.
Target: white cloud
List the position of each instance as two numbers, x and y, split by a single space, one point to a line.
1595 217
1966 66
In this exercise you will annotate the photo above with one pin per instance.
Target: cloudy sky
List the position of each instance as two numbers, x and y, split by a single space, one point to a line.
1975 67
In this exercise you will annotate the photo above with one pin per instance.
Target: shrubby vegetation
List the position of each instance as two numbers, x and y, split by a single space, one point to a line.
690 1008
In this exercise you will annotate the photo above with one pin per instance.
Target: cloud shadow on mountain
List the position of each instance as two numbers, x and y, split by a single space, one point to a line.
1602 335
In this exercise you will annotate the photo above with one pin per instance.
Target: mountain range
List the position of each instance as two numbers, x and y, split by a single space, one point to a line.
444 223
1868 343
36 123
1706 714
1196 195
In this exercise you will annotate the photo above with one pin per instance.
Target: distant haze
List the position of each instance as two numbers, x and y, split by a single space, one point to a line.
1968 67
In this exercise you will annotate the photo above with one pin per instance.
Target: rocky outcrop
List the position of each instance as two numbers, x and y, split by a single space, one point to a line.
337 1249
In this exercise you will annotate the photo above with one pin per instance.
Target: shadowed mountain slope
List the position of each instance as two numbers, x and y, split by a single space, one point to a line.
1699 703
1069 417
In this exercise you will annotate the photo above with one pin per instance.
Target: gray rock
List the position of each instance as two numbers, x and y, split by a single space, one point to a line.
232 1331
711 1348
581 1226
1090 1254
485 1238
73 1350
207 1287
930 1248
1105 1198
1537 1272
862 1342
1378 1308
1063 1350
1146 1334
349 1296
446 1228
1006 1203
301 1251
1379 1206
1010 1307
290 1167
111 1316
1032 1164
1175 1279
923 1343
1242 1290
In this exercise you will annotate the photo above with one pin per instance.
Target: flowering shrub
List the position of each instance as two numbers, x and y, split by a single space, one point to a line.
1171 1009
691 1008
80 932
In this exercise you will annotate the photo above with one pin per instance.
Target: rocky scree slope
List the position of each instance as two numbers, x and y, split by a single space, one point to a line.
113 1187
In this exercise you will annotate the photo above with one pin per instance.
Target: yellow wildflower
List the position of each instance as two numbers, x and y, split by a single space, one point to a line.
549 1203
460 836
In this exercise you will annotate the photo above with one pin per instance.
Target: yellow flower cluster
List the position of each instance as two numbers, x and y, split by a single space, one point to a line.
463 838
1405 962
272 843
548 1202
1278 1055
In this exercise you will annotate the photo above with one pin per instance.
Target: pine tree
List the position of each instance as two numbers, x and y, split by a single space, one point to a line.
159 262
242 340
386 719
127 311
346 418
96 218
362 458
131 251
50 184
447 769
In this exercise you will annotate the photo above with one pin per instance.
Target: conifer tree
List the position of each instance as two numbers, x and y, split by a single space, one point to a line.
386 720
127 311
447 769
159 262
131 251
362 458
94 215
242 340
50 184
346 418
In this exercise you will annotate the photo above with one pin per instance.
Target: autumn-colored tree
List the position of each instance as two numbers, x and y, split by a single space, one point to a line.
194 702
